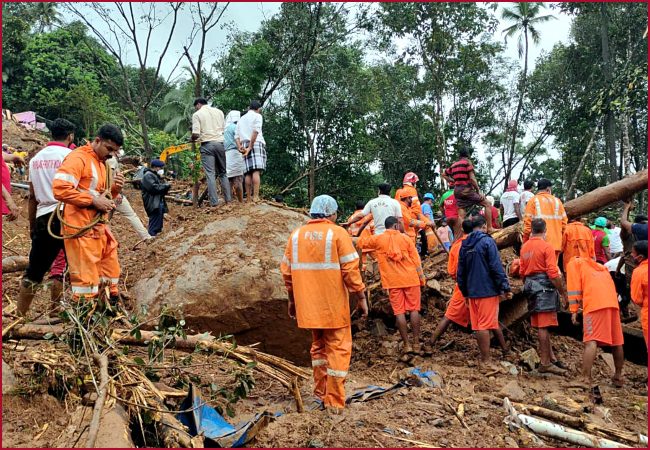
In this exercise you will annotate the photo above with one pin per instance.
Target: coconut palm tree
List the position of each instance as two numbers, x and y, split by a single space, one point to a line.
524 18
177 109
45 16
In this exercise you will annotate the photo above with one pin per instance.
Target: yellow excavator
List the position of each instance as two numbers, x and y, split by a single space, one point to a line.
166 153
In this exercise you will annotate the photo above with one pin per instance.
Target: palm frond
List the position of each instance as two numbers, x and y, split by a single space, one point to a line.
542 19
510 31
508 14
534 34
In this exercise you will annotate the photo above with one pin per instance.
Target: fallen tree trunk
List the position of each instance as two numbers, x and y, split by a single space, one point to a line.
585 204
14 264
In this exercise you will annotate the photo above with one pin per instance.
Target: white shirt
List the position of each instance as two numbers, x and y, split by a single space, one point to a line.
249 122
612 264
615 242
208 123
523 199
508 201
382 208
42 169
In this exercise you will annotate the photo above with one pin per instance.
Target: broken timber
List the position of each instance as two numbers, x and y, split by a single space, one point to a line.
273 366
585 204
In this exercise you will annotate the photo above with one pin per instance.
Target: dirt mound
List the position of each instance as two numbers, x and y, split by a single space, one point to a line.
223 269
21 138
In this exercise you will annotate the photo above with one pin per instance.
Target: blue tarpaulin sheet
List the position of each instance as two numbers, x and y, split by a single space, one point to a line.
204 419
429 378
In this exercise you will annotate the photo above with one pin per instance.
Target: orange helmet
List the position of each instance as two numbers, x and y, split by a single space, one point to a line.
410 177
514 268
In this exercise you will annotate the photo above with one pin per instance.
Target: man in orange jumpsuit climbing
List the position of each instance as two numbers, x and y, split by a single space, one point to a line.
320 267
413 220
548 207
401 273
577 241
639 286
81 184
408 188
589 284
457 310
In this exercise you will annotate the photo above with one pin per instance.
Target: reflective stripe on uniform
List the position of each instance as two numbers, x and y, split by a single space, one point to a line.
95 179
315 266
294 246
318 362
328 245
110 280
66 177
85 289
349 258
573 302
538 208
337 373
574 292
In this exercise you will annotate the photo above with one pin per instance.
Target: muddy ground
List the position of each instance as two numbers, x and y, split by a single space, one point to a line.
414 414
35 416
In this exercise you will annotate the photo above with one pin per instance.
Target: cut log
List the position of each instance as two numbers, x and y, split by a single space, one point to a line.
585 204
14 264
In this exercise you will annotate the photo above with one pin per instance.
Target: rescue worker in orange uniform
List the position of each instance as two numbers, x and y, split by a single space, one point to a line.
590 285
413 221
457 310
577 241
639 286
545 206
357 225
543 288
320 267
80 183
401 273
408 188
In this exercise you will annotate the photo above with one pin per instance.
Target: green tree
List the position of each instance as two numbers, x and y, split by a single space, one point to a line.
524 18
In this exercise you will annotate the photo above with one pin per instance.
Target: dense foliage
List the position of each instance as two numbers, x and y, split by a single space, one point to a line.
358 94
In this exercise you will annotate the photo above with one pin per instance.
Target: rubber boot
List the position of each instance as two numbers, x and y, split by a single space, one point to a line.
25 296
56 294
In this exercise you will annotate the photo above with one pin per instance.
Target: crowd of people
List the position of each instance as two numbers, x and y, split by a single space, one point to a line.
563 265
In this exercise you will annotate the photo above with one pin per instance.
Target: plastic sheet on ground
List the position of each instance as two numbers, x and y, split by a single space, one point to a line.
429 378
204 419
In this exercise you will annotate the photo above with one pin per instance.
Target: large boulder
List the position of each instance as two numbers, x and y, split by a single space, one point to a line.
223 270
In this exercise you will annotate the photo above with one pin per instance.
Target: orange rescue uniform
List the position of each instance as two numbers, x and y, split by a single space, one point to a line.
92 257
577 241
639 292
319 267
457 310
400 268
353 231
590 283
412 222
546 206
407 189
537 256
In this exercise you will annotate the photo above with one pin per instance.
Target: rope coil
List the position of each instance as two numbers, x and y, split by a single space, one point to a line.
99 218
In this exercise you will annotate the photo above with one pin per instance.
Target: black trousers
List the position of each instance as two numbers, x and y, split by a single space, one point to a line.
45 248
156 221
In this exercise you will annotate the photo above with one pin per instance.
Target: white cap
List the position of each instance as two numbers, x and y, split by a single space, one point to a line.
232 117
325 205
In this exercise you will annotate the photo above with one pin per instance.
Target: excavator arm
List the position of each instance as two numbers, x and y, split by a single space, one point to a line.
166 153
